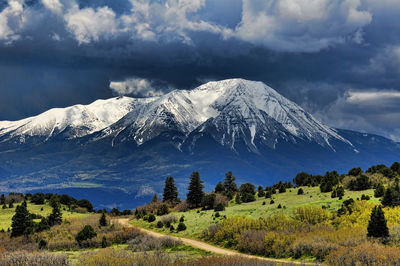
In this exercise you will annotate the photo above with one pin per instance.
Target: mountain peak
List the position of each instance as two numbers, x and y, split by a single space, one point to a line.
231 110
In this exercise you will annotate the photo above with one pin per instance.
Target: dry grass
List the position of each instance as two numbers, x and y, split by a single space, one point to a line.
33 259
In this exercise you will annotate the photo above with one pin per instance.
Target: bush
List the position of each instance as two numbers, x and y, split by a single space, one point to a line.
217 214
86 233
272 202
252 241
311 215
151 218
171 228
35 258
247 197
181 227
160 224
219 208
379 191
182 219
365 254
162 210
170 218
300 191
42 244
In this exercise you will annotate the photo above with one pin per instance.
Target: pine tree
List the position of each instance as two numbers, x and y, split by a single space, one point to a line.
170 194
379 191
261 192
154 199
56 216
219 188
103 220
377 226
21 221
230 185
2 199
195 195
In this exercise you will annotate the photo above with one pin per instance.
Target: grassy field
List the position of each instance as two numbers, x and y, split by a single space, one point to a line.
196 221
181 251
7 214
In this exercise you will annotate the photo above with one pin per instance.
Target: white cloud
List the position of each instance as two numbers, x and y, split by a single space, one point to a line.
372 96
373 111
54 5
12 18
136 87
300 25
90 24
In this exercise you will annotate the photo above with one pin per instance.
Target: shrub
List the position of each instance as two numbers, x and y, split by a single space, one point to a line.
237 199
252 241
171 228
208 201
160 224
277 244
247 197
311 215
182 207
162 210
104 243
219 208
181 227
151 218
170 218
279 206
300 191
35 258
365 254
86 233
379 191
182 219
217 214
272 202
42 244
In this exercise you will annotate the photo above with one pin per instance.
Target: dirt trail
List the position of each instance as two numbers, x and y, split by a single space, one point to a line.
207 247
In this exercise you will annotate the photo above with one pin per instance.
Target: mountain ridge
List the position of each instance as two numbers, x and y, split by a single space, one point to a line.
231 125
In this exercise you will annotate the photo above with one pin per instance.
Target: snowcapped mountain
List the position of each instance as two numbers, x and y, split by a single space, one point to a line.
235 109
74 122
125 144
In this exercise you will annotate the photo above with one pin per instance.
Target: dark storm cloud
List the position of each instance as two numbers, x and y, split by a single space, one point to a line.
55 53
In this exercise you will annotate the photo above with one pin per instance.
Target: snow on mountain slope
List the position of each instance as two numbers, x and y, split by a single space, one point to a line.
82 119
237 108
253 107
232 110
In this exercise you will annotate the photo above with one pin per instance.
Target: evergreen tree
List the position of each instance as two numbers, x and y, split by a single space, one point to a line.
170 194
395 167
103 220
377 226
379 191
300 191
86 233
154 199
195 195
238 199
56 216
230 185
2 199
104 242
219 188
261 192
21 221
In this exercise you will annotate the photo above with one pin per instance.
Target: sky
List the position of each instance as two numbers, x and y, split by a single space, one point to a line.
338 59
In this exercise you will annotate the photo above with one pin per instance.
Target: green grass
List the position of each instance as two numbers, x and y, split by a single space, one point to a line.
196 222
7 214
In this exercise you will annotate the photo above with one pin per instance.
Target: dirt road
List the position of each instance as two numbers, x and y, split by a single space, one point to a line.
207 247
